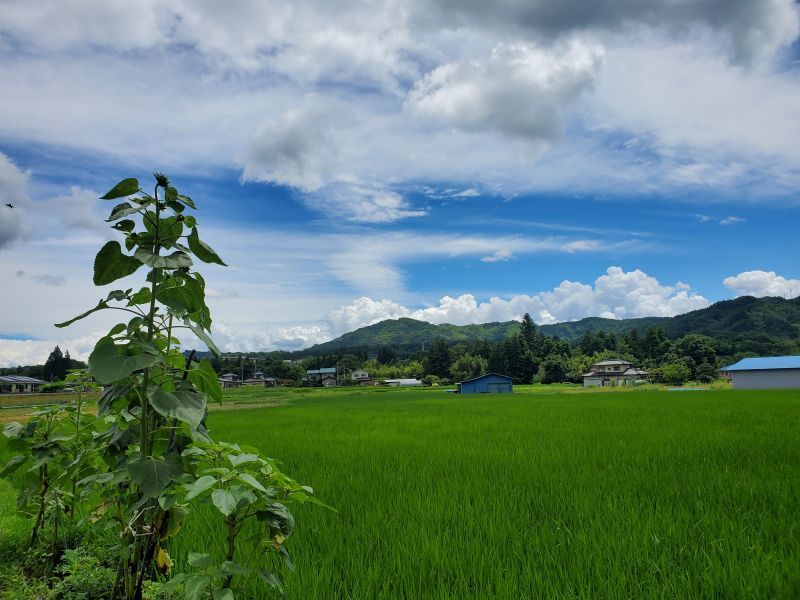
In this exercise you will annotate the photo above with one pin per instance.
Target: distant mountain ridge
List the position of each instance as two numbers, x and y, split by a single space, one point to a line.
745 319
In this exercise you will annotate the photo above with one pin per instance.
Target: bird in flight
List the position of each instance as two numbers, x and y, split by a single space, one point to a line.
9 205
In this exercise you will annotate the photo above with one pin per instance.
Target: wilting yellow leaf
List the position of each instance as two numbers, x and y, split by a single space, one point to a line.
163 561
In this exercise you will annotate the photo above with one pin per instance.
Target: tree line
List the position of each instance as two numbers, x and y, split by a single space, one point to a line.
527 355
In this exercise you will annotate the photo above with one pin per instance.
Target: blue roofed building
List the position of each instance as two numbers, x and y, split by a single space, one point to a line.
491 383
764 373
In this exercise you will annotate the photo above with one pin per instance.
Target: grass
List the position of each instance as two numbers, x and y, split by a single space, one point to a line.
616 494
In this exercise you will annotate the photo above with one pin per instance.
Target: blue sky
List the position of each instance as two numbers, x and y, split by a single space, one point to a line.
453 163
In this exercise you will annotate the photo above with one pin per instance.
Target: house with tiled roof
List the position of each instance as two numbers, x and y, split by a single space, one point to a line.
613 372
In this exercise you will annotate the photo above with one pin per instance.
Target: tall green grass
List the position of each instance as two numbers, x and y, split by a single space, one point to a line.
640 494
647 494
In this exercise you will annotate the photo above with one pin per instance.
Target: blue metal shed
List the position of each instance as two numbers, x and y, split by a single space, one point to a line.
491 383
765 373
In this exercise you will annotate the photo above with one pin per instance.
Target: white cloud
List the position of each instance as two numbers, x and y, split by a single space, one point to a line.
732 220
386 95
501 255
519 90
762 283
616 294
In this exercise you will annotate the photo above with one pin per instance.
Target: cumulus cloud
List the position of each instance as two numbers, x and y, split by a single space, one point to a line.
519 90
762 283
35 352
383 95
616 294
751 30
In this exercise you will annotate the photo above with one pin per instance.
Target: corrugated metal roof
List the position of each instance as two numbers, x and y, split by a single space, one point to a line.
487 375
321 371
766 363
19 379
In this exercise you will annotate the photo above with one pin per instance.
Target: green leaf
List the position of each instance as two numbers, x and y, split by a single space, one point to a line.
224 501
126 187
122 210
231 568
171 194
204 337
176 206
15 463
202 250
111 264
196 585
174 582
184 405
107 365
223 594
279 517
252 482
198 486
175 260
177 515
125 225
187 201
270 578
189 221
110 395
153 475
199 561
205 379
100 306
188 297
240 459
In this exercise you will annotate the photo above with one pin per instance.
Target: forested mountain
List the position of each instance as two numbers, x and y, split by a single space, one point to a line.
750 325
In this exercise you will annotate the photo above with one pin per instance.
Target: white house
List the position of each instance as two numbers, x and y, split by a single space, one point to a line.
764 373
613 372
359 375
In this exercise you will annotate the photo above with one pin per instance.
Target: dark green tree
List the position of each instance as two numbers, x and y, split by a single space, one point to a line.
554 369
55 369
437 359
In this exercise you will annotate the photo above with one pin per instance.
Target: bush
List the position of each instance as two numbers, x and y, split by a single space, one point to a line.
706 373
671 374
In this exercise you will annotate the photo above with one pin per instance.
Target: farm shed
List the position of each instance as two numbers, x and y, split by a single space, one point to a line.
491 383
402 382
19 384
765 373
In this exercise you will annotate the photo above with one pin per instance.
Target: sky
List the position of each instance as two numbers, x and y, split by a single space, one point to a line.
450 161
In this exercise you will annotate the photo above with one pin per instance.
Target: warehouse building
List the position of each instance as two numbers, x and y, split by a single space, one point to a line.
491 383
764 373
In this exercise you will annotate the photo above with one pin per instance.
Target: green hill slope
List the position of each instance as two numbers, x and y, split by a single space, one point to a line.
750 323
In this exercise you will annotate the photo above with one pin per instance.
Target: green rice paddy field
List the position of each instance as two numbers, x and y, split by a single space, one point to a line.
630 494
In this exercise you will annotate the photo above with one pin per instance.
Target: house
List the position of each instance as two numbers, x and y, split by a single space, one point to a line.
613 372
229 380
321 377
259 379
359 375
19 384
764 373
402 382
491 383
